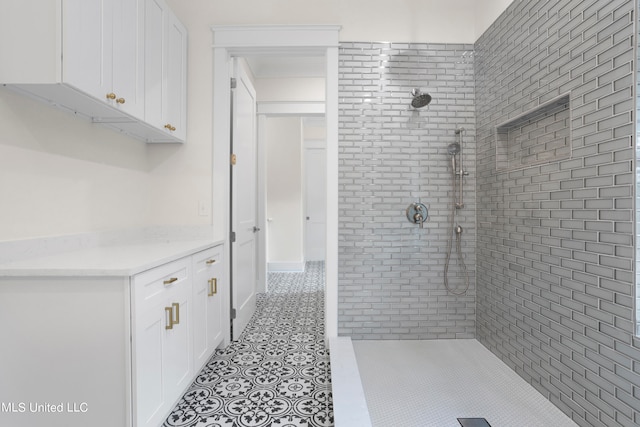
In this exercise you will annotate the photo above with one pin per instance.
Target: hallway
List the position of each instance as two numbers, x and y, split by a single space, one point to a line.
277 373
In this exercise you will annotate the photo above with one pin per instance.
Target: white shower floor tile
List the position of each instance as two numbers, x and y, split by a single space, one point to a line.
432 383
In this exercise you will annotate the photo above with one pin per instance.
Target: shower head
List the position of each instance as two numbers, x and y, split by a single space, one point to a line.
453 148
419 99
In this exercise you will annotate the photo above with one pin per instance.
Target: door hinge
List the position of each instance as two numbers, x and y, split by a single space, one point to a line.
233 313
234 83
233 159
232 237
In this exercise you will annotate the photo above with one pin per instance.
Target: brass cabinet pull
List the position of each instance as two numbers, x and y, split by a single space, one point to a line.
213 286
210 261
170 281
176 305
169 311
120 100
111 95
168 126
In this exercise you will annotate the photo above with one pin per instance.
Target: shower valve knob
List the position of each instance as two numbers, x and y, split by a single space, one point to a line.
417 213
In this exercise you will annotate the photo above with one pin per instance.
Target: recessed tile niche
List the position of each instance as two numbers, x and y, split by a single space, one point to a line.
540 135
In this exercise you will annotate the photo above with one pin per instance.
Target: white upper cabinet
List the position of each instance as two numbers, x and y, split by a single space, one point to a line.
89 56
165 69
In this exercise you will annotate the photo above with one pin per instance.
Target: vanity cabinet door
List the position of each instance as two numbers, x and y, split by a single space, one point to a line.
178 349
208 288
162 350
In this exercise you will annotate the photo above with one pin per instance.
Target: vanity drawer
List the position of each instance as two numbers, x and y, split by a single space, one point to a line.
154 282
208 259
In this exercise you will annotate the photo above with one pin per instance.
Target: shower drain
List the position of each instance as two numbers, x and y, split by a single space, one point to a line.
473 422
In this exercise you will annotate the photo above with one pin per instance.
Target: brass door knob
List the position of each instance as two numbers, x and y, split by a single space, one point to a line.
120 100
111 95
168 126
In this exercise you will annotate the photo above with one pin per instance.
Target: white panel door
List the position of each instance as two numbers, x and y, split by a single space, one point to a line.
315 160
243 201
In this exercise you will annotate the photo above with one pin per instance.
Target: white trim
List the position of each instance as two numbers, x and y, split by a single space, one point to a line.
261 207
221 132
294 267
331 258
267 39
264 40
292 108
349 401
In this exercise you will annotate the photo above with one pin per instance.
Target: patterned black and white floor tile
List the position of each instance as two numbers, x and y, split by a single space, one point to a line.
277 373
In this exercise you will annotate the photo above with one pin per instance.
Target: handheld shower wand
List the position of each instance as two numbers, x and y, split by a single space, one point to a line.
455 149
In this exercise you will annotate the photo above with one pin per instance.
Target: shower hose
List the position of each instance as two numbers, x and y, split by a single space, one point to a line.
457 230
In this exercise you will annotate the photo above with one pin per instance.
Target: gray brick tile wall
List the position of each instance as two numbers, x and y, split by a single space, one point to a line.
390 155
555 255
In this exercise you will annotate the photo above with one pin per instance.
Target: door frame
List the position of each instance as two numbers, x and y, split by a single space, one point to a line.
320 40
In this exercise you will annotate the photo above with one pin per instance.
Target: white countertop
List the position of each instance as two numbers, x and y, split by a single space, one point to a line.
106 261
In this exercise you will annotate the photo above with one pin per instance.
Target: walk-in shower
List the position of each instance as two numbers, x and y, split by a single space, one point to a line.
457 202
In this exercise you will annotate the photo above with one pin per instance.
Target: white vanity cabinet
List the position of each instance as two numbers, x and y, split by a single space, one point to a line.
110 336
98 59
208 282
177 312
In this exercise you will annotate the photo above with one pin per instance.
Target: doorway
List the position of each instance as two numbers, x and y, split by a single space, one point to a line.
292 175
230 42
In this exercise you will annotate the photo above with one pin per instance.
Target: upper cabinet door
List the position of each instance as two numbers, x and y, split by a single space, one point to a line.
102 51
128 56
176 78
165 69
87 45
154 35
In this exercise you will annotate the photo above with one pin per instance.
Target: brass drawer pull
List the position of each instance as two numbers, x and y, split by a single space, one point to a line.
169 311
213 286
170 281
210 261
169 127
120 100
111 95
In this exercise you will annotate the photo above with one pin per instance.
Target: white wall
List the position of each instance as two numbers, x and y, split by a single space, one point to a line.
284 190
486 13
290 89
437 21
62 175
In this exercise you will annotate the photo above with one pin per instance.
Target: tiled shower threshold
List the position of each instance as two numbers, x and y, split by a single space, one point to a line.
431 383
